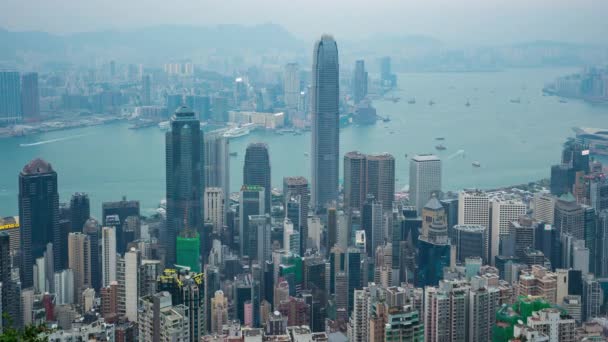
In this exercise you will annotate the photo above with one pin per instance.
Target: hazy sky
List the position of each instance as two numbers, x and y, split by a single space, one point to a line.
460 21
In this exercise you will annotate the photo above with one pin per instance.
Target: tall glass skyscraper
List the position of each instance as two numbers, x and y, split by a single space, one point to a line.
256 170
39 216
185 178
325 122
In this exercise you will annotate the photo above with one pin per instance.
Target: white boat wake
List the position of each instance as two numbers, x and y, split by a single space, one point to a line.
456 154
43 142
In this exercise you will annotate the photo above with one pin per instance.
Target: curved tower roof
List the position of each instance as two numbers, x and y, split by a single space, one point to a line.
37 166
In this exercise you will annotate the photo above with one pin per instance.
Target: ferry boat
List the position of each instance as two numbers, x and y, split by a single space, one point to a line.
238 131
517 100
411 101
468 104
440 138
431 103
164 125
476 164
440 147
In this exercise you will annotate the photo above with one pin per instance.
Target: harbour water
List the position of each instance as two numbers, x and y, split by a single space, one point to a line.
514 142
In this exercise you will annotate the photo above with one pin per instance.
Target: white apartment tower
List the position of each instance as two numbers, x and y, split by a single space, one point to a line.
108 255
425 179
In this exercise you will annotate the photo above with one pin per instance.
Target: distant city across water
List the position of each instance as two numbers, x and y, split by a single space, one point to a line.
514 141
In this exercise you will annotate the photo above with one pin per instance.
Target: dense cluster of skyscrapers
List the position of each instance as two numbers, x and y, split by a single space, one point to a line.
313 261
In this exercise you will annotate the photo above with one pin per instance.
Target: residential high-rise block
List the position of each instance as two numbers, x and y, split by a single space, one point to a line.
325 147
359 86
39 216
79 251
132 263
425 179
92 229
291 85
445 312
30 97
10 97
185 177
256 170
217 162
108 255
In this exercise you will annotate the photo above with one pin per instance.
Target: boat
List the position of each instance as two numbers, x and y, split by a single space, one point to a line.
440 147
517 100
563 101
411 101
233 154
476 164
406 155
142 124
468 104
431 103
238 131
297 132
386 119
306 154
164 125
440 138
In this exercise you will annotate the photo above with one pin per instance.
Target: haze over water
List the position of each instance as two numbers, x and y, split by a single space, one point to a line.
515 143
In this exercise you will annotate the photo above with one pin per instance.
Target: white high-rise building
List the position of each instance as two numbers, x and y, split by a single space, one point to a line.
474 209
214 207
40 276
132 263
544 207
425 179
291 237
64 287
291 84
108 255
503 213
359 319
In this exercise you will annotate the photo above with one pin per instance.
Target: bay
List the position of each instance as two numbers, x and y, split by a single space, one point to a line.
514 142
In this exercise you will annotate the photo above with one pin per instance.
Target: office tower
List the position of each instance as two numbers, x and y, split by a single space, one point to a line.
325 123
387 78
200 105
115 214
30 98
39 216
259 238
79 251
10 288
442 305
355 180
146 90
256 170
474 209
355 272
359 86
425 179
522 231
251 203
291 85
297 187
380 176
544 207
214 208
291 237
359 321
211 285
161 321
433 257
10 97
174 102
592 297
185 183
108 255
132 262
547 240
573 306
598 194
451 212
503 213
80 211
92 230
332 228
64 287
569 217
240 91
188 250
217 162
470 241
373 224
219 312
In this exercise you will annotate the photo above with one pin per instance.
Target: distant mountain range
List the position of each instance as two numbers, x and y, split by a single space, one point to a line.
159 44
